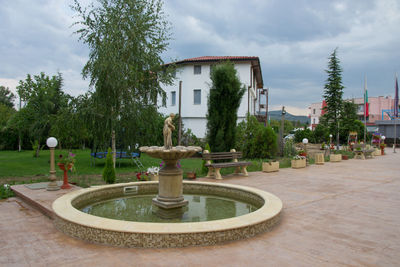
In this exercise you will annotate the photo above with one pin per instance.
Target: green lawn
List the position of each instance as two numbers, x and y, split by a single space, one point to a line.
15 164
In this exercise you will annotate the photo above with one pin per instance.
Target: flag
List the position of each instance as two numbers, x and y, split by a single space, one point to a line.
323 108
396 100
366 106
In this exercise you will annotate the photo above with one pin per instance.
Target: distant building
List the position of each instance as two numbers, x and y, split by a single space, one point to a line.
379 109
194 73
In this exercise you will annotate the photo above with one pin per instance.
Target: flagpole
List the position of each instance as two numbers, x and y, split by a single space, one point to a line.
395 113
365 109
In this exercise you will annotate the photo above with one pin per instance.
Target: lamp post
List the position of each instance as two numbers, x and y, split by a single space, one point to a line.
51 142
383 145
281 129
330 141
305 142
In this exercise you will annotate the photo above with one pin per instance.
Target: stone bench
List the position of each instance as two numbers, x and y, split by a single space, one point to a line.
214 168
361 152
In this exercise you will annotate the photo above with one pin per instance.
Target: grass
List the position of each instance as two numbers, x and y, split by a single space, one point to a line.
18 167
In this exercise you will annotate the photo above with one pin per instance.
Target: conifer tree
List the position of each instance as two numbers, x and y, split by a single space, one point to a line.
109 170
333 95
223 103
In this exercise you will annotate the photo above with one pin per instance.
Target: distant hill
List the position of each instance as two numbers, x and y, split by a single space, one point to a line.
276 115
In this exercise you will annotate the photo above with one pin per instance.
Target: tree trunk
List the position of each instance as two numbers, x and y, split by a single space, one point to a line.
114 151
38 149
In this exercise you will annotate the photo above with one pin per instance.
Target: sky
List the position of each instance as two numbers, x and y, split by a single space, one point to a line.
293 40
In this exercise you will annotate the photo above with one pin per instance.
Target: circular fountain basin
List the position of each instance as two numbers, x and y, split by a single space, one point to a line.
73 222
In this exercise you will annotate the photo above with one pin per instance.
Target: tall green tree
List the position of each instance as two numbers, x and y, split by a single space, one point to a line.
349 121
44 98
333 94
6 96
126 39
224 100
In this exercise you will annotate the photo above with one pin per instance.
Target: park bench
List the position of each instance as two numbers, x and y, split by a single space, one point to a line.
120 155
214 168
361 152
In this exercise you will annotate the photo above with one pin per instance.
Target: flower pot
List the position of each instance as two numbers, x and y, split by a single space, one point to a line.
153 177
319 158
377 152
298 163
303 154
191 175
65 169
382 151
335 157
345 157
270 166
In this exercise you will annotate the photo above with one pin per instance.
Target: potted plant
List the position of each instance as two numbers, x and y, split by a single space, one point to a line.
66 163
191 175
323 146
152 172
298 162
302 153
335 157
270 165
382 146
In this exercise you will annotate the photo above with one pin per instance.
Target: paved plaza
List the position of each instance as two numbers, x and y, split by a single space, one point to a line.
336 214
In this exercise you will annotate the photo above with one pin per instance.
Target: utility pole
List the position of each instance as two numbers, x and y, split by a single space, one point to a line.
281 130
180 114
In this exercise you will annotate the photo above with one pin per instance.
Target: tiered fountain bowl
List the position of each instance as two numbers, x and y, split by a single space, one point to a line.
169 205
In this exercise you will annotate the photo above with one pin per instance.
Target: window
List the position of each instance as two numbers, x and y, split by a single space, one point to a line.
173 98
314 120
197 69
197 96
313 111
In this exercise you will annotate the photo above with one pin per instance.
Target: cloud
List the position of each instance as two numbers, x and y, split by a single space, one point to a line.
292 38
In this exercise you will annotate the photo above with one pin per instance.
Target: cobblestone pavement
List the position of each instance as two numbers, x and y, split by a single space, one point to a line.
337 214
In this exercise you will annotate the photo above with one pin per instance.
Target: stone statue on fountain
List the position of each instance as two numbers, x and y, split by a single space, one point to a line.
167 131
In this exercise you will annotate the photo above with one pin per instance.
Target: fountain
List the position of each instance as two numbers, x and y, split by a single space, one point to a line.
171 197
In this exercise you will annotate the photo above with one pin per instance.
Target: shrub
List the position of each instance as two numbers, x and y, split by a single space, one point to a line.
301 134
289 149
109 171
255 140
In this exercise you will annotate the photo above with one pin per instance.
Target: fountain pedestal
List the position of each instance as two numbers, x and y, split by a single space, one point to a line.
170 199
170 192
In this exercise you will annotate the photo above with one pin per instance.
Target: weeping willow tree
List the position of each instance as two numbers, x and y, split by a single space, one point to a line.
126 39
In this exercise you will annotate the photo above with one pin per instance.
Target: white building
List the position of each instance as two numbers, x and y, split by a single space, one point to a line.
194 73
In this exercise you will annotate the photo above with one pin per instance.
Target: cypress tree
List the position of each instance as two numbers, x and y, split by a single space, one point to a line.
109 171
333 95
223 103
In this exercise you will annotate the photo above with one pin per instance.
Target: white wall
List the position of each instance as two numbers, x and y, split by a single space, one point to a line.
194 116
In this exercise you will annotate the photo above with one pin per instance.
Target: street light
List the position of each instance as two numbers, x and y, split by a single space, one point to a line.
51 142
305 142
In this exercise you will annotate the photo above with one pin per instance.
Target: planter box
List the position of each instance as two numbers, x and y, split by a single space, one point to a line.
153 177
270 166
319 158
335 157
377 152
298 163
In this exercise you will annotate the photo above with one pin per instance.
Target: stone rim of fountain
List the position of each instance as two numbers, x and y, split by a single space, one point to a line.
100 230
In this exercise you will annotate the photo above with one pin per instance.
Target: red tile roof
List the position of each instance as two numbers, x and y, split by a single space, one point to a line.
216 58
